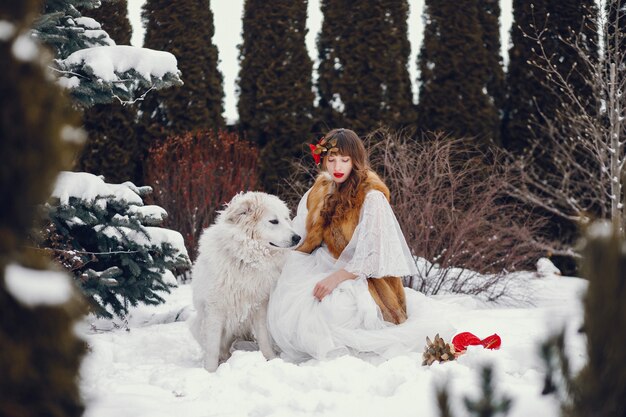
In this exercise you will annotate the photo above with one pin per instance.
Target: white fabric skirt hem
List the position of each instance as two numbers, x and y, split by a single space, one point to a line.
347 321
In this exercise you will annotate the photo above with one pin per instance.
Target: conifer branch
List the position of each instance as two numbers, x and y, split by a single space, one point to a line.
72 251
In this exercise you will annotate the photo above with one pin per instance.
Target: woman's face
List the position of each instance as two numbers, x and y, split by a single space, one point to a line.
339 167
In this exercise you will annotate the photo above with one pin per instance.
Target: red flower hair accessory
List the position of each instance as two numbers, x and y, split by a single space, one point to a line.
323 147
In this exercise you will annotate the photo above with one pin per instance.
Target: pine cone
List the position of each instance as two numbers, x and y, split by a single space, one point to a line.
438 350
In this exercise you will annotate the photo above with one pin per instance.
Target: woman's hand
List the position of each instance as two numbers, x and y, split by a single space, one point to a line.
328 284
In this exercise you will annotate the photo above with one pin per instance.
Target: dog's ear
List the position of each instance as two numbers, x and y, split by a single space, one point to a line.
240 207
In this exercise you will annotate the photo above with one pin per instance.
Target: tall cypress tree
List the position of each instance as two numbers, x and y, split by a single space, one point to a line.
525 91
185 28
615 11
275 89
455 72
113 18
112 149
397 91
529 101
363 72
576 24
331 46
615 37
489 16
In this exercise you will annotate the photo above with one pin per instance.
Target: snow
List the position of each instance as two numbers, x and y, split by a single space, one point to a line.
336 103
7 29
89 187
34 287
106 61
69 82
545 268
151 212
155 236
75 135
600 229
155 367
116 233
99 34
87 22
24 48
159 235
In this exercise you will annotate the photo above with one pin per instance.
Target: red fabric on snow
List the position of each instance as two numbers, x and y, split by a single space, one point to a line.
491 342
462 340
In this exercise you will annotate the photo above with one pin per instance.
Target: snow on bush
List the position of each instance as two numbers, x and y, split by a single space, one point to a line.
34 288
121 70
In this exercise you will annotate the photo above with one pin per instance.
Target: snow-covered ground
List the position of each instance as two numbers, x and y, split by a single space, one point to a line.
154 368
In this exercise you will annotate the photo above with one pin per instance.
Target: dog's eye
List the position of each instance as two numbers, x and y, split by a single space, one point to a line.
274 221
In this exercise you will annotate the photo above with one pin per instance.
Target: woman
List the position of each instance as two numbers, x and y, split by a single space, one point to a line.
340 291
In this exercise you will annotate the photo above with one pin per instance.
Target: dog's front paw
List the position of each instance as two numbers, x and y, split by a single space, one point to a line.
210 364
269 355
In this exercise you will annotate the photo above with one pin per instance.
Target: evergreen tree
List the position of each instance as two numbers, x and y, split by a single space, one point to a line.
184 28
331 43
489 16
487 405
111 243
456 65
113 18
40 353
615 11
98 75
363 71
276 98
599 388
63 27
525 92
530 101
615 39
576 24
112 149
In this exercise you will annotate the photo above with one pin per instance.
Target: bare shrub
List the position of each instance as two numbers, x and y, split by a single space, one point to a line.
303 172
574 168
194 174
449 199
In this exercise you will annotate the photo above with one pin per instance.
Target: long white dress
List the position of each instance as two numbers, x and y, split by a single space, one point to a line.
348 321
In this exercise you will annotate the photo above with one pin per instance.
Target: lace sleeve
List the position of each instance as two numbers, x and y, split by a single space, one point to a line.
377 248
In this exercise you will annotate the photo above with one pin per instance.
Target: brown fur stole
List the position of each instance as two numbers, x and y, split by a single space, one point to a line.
387 292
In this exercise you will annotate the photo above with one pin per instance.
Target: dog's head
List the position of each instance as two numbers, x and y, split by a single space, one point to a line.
263 217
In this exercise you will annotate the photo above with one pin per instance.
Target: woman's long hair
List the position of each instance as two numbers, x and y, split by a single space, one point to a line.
344 195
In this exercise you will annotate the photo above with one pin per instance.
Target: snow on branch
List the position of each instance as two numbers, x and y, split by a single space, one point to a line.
37 288
89 187
67 31
96 75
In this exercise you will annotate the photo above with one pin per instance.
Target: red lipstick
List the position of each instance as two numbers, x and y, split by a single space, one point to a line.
338 174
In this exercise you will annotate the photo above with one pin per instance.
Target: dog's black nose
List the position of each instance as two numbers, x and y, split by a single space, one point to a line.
295 239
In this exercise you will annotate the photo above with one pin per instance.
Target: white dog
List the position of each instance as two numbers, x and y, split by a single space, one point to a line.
239 260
